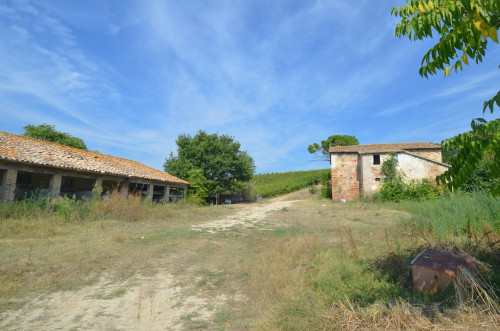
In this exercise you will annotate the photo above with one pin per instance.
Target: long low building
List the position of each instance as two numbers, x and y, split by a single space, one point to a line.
29 165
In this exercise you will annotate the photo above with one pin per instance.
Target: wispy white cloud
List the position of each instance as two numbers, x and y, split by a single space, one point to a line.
129 77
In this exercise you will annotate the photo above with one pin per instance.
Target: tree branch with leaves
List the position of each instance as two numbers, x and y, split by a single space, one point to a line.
465 28
335 140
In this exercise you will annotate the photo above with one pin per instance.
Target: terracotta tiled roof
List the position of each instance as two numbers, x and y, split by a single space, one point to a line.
382 148
47 154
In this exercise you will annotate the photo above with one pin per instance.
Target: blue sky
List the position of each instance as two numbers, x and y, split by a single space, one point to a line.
129 76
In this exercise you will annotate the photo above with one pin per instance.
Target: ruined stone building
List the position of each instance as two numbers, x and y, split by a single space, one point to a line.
29 166
356 170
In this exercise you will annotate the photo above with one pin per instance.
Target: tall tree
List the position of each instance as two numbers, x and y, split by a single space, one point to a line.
465 29
224 166
335 140
49 133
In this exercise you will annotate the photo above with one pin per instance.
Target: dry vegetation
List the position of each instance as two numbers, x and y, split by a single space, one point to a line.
312 265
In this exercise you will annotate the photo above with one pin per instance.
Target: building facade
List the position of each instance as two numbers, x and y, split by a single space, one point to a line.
31 166
357 170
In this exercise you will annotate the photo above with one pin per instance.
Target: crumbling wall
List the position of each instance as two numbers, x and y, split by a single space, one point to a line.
371 173
345 176
433 154
418 168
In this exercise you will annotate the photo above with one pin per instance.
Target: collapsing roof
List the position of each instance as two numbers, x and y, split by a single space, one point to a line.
24 150
382 148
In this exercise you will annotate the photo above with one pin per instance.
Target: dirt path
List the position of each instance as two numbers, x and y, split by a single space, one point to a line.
249 216
140 303
152 303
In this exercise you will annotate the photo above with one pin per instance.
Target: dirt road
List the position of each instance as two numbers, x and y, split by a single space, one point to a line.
140 303
249 216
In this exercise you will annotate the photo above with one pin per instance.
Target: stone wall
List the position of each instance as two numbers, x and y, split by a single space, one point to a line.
8 185
345 176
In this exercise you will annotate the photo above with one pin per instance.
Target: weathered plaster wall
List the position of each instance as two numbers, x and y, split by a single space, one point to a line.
417 168
370 172
429 153
345 176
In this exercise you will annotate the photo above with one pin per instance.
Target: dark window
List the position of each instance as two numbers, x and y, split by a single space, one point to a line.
376 159
377 179
23 179
67 182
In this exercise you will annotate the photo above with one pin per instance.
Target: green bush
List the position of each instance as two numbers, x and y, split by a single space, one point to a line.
415 190
326 188
395 189
313 190
481 180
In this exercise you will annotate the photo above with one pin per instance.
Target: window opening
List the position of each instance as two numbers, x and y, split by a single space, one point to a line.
23 179
67 182
376 159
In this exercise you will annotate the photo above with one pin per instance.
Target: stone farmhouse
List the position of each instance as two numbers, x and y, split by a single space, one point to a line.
28 165
356 170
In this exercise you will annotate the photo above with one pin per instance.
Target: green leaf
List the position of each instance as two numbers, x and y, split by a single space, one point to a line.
466 4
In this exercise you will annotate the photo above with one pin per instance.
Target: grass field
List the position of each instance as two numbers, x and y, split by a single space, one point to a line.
273 184
313 264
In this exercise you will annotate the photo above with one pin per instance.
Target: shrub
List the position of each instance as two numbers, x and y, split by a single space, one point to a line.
481 180
313 190
415 190
395 189
326 188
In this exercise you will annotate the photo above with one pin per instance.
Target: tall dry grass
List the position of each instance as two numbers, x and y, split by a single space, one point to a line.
306 283
64 209
401 315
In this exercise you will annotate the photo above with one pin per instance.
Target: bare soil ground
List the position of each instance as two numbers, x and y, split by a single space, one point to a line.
162 301
141 303
249 216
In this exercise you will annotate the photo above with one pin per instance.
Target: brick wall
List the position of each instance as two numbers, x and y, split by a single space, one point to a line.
345 176
8 185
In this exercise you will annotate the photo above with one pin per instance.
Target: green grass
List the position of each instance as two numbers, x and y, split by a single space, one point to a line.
457 215
273 184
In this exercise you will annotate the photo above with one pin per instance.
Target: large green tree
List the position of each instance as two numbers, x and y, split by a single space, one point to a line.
465 29
335 140
224 166
49 133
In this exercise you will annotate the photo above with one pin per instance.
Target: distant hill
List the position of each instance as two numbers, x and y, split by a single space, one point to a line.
269 185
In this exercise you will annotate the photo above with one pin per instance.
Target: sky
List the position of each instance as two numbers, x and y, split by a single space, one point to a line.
128 77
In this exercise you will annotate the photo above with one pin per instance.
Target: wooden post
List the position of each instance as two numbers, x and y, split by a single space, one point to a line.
166 196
